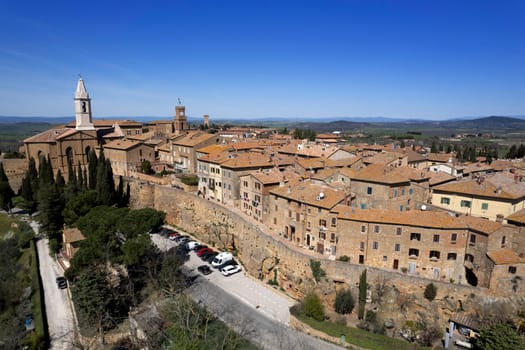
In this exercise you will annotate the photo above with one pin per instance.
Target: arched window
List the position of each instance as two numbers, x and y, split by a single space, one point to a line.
69 155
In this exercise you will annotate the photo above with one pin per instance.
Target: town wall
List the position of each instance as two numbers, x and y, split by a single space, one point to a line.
262 253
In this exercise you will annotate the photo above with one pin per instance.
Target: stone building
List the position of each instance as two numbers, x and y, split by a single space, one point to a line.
126 156
384 187
302 213
184 149
433 245
67 145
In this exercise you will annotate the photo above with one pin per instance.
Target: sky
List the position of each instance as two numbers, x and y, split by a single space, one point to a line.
253 59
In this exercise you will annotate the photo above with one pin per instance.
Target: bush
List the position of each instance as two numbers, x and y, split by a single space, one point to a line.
313 307
370 316
344 302
345 258
317 271
190 180
430 292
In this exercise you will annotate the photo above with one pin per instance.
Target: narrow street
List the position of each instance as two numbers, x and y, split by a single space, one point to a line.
59 314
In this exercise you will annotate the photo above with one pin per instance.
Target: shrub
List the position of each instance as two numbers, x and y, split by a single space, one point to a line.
345 258
430 292
371 316
344 302
190 180
317 271
313 307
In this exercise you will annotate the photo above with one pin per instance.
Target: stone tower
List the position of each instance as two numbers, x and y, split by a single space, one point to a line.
83 107
180 123
206 121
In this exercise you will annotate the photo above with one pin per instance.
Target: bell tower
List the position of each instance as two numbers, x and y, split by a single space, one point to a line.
180 123
83 107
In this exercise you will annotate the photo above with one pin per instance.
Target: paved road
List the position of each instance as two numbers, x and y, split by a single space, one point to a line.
61 324
253 309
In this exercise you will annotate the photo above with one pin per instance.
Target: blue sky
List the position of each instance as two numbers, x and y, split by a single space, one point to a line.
253 59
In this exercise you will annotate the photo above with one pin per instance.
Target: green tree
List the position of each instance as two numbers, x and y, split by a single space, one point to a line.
146 166
344 302
6 192
500 337
430 292
170 277
92 170
317 271
140 221
79 206
136 248
313 307
433 147
363 287
50 206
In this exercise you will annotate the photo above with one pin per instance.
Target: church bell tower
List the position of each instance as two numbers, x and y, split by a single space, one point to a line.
83 107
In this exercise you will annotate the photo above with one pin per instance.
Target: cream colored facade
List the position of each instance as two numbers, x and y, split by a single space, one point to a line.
126 156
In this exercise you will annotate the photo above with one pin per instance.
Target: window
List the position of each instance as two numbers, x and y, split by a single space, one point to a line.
436 239
465 204
276 208
297 217
512 269
363 206
453 238
245 183
289 213
484 206
410 191
308 224
400 208
472 239
334 222
332 237
376 228
362 246
369 190
397 247
363 228
309 210
452 256
322 235
413 253
469 258
503 241
319 210
275 221
395 193
384 258
257 186
415 236
434 255
402 191
445 200
375 245
399 230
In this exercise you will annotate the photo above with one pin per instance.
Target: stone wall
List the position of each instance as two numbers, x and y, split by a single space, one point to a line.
261 253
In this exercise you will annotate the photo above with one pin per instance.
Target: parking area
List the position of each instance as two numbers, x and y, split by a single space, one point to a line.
258 295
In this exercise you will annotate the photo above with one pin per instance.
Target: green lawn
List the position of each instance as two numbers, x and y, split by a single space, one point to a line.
358 336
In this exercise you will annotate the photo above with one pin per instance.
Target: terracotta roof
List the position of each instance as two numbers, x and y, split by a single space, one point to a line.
346 162
468 320
213 149
307 192
440 157
107 123
312 163
505 256
439 178
307 150
72 235
123 144
160 121
142 137
274 176
164 148
50 136
518 216
255 160
324 174
389 175
497 186
246 145
192 138
416 218
477 167
414 156
384 158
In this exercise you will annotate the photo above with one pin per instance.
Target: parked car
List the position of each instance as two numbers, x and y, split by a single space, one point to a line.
191 245
173 236
199 246
230 270
181 237
61 282
165 232
204 269
203 251
206 255
221 259
212 256
184 240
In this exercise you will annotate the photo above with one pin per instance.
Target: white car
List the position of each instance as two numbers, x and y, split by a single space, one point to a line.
230 270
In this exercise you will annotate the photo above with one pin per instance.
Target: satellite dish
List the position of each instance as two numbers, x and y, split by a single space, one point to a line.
423 207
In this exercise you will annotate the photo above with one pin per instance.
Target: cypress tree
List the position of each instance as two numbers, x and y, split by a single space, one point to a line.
119 196
49 170
3 176
92 167
362 295
80 178
85 187
60 182
6 192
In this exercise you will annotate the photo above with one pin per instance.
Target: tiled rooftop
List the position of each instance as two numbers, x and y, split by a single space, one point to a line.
309 193
505 256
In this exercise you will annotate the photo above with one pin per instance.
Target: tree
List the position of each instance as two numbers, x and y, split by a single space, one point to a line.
344 302
146 166
92 170
140 221
317 271
79 206
170 278
363 287
134 249
50 206
430 292
313 307
500 337
433 147
6 192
